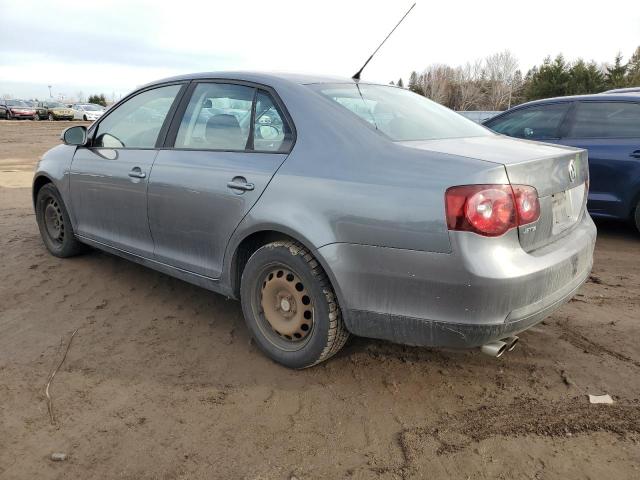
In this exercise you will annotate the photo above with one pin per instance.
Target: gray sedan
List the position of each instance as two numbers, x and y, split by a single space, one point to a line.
328 207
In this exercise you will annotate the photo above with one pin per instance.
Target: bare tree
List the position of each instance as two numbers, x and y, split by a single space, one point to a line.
500 69
468 88
436 83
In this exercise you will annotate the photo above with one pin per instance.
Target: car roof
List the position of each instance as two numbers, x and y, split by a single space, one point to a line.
634 96
267 78
623 90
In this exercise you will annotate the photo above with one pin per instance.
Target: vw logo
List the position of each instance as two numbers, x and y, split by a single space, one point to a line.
572 171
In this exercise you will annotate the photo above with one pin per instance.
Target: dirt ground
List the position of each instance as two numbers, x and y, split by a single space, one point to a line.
162 380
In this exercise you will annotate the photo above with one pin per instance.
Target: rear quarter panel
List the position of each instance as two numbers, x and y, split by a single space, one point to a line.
345 183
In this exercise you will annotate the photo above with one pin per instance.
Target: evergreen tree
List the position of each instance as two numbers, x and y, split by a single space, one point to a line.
585 78
400 83
550 80
633 69
413 82
616 73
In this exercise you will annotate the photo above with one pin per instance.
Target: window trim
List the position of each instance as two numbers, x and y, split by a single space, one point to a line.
172 133
165 124
562 126
572 120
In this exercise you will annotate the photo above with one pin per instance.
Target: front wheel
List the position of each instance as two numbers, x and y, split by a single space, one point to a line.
51 118
290 307
36 117
9 115
54 224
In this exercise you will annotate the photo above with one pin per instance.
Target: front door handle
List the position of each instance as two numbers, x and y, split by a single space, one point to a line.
635 154
240 184
136 172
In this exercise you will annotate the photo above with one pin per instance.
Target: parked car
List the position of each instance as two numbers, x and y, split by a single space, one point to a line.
401 221
16 109
608 126
51 110
87 111
479 116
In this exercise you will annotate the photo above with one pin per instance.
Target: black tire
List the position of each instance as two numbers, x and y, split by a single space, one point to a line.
327 333
51 117
9 115
84 117
55 225
636 217
36 117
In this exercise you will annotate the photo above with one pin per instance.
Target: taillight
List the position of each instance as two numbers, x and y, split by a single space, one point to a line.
491 210
527 204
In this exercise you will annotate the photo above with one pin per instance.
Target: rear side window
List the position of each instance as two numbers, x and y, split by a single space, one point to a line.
138 121
271 132
535 123
218 117
606 120
221 116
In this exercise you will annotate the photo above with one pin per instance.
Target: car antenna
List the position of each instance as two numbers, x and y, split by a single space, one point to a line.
357 75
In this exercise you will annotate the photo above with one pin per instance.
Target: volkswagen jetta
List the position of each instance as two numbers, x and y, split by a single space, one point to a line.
328 207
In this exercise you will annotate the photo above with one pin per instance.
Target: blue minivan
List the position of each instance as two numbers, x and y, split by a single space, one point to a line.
608 126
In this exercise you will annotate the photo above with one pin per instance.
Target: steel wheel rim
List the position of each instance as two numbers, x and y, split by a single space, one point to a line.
285 307
54 221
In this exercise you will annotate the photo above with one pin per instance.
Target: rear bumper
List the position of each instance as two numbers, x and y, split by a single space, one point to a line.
486 289
22 115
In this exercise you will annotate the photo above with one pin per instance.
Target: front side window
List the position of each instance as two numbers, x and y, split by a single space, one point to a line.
138 121
534 123
606 120
400 114
218 117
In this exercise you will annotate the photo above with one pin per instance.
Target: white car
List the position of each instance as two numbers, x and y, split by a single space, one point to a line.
87 111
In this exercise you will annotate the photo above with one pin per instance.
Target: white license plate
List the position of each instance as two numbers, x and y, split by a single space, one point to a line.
566 207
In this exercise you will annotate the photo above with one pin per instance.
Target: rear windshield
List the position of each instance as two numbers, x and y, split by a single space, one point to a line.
400 114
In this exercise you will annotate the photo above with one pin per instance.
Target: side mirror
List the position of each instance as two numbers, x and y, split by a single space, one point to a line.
75 136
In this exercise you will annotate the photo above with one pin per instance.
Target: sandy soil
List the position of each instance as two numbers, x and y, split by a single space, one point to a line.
162 381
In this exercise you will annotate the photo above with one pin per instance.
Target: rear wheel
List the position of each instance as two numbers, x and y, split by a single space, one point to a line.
290 307
9 115
54 224
636 216
85 118
36 117
51 118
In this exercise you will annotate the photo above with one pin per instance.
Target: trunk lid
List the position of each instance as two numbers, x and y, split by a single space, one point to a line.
560 175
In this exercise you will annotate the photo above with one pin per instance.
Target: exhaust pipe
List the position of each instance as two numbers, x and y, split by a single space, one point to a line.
494 349
511 343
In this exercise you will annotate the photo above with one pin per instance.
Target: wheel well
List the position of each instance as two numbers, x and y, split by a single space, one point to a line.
246 248
38 183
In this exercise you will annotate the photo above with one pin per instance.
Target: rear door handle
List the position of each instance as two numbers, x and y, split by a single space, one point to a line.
635 154
240 184
136 172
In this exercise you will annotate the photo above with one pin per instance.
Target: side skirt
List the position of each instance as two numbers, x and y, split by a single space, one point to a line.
208 283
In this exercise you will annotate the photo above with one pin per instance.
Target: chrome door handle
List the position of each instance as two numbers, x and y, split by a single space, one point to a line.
136 172
240 185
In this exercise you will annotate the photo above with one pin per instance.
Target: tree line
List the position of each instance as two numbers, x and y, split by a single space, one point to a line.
496 83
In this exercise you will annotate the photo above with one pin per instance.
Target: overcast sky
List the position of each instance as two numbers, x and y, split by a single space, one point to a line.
112 47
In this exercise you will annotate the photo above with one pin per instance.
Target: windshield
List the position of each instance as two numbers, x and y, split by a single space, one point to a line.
401 114
16 103
54 105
